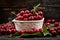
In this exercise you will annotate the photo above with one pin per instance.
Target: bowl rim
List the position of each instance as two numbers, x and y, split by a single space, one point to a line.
27 21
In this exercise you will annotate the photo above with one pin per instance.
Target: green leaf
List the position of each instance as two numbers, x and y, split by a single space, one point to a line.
36 7
13 12
26 35
37 34
45 31
15 34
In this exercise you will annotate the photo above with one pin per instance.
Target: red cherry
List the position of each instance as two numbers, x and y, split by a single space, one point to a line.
25 15
27 11
54 33
2 27
7 30
47 24
58 28
21 32
22 11
56 24
13 31
48 21
41 30
35 14
10 31
39 17
25 19
58 31
9 27
31 18
18 14
3 30
55 28
52 29
53 20
19 18
26 31
30 14
35 17
40 13
31 31
35 30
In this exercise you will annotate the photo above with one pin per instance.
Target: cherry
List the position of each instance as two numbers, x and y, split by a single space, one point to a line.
53 20
55 28
58 28
35 14
51 29
56 24
31 31
31 18
10 31
9 27
7 30
22 12
30 14
25 15
26 31
27 11
48 21
25 19
58 31
19 18
2 27
35 30
54 33
40 13
13 30
21 32
39 17
41 30
3 31
35 17
47 24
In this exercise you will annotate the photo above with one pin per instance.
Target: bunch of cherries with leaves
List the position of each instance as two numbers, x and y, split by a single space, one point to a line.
53 26
26 15
29 15
7 29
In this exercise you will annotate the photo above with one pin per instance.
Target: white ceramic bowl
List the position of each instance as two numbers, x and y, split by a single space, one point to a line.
28 25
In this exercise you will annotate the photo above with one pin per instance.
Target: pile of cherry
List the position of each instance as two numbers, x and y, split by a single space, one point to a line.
29 15
10 29
55 29
7 29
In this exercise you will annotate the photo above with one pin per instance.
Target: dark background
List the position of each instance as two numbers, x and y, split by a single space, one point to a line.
52 8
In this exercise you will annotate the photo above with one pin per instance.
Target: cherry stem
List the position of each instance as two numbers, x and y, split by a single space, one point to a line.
13 13
36 7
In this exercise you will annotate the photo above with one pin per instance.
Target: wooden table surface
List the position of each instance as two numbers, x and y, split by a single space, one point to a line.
5 37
